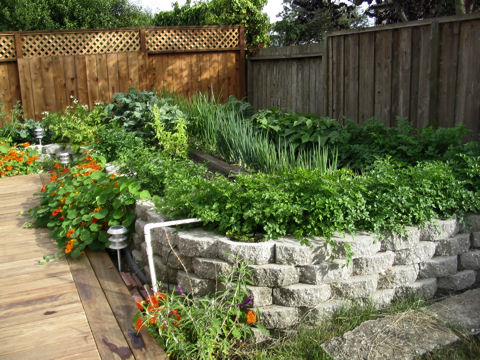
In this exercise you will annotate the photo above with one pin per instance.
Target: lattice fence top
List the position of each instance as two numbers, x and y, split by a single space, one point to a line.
7 47
174 39
80 43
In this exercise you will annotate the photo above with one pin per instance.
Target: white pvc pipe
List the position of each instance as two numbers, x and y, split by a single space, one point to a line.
148 240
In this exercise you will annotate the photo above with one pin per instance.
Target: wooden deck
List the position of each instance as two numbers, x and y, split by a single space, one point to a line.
75 309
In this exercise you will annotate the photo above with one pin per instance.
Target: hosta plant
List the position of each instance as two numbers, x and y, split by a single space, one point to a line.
81 202
17 160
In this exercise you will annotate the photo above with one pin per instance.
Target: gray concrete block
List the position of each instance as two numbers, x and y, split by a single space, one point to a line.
476 240
163 236
424 287
460 281
439 266
420 252
440 229
139 225
382 298
274 275
141 208
301 295
470 260
289 251
168 256
254 253
262 296
137 240
139 257
456 245
398 275
210 268
473 222
325 273
198 243
279 317
322 311
361 244
153 216
405 240
356 287
376 264
194 285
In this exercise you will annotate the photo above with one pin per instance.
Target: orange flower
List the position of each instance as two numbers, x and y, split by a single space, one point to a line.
112 176
43 188
69 246
31 159
139 324
57 211
97 209
53 178
8 167
153 318
115 184
53 193
57 165
160 295
69 233
26 144
251 317
61 218
153 301
139 304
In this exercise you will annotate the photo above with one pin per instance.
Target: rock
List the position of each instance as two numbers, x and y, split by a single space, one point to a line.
398 276
356 287
439 266
139 257
456 245
262 296
420 252
192 284
259 336
137 240
376 264
279 317
473 222
476 239
139 225
210 268
289 251
406 240
301 295
273 275
154 217
401 336
361 244
424 287
322 311
460 281
325 273
470 260
440 230
198 243
141 208
180 263
382 298
254 253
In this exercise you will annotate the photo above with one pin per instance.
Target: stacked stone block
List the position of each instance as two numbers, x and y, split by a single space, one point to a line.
294 283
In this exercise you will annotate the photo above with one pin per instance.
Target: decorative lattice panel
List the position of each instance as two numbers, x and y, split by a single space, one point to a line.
7 47
81 43
165 40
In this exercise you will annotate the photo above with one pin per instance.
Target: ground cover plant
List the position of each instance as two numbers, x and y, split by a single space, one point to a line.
17 160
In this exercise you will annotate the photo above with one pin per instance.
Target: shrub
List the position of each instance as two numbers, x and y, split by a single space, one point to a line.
17 160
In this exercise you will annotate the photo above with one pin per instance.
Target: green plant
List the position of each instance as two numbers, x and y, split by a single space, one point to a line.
172 142
113 142
213 326
17 161
80 203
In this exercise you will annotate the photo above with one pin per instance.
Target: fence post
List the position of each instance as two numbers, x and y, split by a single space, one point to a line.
434 73
143 68
241 45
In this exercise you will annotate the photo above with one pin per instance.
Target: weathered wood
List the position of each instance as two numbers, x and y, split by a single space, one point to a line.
351 77
401 65
383 76
366 71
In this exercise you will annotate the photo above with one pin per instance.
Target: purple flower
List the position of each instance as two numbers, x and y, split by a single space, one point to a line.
180 291
249 301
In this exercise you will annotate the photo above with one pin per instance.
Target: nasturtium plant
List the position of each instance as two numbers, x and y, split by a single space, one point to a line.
17 160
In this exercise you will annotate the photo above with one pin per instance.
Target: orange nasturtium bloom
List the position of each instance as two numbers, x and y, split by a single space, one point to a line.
69 233
26 144
139 323
69 246
251 317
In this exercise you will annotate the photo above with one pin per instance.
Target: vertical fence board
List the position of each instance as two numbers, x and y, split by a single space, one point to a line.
26 88
92 80
133 78
14 84
123 83
366 76
351 78
383 76
47 72
402 55
71 86
59 83
5 97
112 71
423 104
102 74
38 90
414 76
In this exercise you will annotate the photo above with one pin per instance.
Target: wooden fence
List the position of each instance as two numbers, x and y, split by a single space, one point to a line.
45 70
427 71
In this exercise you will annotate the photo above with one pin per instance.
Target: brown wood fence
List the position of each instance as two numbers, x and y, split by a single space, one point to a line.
427 71
45 70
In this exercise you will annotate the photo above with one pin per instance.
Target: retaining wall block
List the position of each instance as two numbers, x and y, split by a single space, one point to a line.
274 275
424 287
325 273
198 243
139 257
356 287
439 266
440 229
171 260
258 336
382 298
137 240
456 245
397 276
279 317
301 295
141 208
321 311
474 222
406 240
161 269
254 253
162 236
194 285
210 268
289 251
476 239
459 281
376 264
362 244
139 224
420 252
470 260
262 296
152 216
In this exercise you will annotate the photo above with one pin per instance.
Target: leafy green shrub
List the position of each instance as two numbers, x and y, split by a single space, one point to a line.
213 326
80 203
76 125
113 141
17 160
173 142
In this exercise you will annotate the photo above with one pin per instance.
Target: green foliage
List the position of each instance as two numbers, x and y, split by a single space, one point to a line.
213 326
221 12
17 160
113 141
17 130
80 203
67 14
174 142
76 125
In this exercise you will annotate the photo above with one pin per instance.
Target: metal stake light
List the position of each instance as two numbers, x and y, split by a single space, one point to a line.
39 135
118 240
64 158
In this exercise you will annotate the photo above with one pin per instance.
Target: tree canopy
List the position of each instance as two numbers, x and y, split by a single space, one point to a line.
69 14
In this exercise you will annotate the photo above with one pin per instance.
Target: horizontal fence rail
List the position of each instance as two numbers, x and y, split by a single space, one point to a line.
45 70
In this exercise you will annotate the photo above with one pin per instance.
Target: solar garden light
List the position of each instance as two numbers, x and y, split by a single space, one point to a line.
39 135
64 158
118 240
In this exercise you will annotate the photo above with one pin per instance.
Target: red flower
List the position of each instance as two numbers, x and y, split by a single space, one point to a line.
69 233
43 188
139 304
153 301
139 324
94 220
153 318
57 211
57 165
62 218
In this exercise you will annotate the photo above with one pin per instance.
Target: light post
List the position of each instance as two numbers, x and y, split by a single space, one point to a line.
118 240
39 135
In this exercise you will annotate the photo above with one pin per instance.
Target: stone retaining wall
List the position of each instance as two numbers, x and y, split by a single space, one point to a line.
294 283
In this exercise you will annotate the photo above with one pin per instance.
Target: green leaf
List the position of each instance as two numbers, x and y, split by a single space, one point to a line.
101 214
144 195
134 187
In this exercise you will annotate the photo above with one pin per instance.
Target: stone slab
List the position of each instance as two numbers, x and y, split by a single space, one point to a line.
439 266
325 272
440 229
361 244
279 317
476 239
301 295
198 243
460 281
470 260
405 240
262 296
423 287
456 245
397 276
253 253
274 275
421 251
356 287
322 311
376 264
210 268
